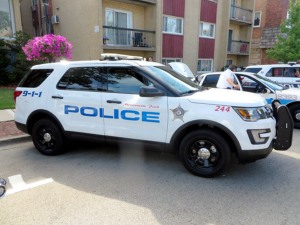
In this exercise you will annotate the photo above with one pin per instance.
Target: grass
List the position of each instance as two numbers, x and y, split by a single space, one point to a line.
7 99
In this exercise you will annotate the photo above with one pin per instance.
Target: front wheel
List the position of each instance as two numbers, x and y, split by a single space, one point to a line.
295 113
47 137
205 153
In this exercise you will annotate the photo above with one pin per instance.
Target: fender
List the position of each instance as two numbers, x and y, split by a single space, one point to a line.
207 122
49 114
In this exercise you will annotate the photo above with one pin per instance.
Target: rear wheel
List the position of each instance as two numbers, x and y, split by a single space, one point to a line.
295 113
205 153
47 137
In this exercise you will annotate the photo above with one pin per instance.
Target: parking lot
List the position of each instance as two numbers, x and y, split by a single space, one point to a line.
125 185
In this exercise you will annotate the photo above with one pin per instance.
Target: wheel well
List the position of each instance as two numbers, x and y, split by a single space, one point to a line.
38 116
193 127
292 104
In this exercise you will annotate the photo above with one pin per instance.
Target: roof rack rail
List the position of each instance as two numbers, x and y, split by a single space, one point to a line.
116 57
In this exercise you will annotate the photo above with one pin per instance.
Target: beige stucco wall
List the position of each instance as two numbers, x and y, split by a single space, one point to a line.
17 15
222 27
191 34
77 23
27 17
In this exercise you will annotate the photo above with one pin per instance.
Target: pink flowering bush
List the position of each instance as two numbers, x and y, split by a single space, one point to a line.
49 47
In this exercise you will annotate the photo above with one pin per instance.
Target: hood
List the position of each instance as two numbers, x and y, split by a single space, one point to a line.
182 68
291 91
227 97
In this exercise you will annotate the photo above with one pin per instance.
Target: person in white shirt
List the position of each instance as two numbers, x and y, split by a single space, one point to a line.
226 79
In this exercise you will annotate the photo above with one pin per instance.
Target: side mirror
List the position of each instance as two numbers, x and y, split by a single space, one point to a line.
150 92
2 187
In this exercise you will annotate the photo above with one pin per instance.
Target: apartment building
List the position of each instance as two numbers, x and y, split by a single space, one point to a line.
268 17
204 34
10 18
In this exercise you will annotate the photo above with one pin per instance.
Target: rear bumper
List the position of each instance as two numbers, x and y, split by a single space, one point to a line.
22 127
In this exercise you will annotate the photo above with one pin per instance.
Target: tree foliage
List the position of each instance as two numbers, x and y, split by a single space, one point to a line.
287 47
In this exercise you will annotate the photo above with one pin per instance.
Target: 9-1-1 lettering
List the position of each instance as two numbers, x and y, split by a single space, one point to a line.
26 93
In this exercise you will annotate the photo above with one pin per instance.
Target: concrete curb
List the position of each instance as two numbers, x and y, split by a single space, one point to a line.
20 138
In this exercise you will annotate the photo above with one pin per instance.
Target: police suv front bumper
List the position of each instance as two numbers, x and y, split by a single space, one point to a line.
282 140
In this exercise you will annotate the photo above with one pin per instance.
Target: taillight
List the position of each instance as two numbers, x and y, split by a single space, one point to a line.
17 94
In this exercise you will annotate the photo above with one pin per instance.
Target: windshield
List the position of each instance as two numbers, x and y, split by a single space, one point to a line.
268 82
172 78
252 70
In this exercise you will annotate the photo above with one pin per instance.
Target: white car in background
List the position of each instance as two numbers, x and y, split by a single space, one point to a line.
266 88
284 74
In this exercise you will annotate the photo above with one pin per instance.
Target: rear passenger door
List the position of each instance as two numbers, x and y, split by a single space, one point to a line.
128 115
76 100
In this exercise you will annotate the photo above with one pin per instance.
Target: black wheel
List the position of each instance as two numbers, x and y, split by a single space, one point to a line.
295 113
47 137
204 153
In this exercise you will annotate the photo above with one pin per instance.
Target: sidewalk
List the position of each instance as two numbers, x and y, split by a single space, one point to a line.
8 129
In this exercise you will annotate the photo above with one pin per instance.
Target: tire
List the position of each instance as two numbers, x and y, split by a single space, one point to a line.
47 137
210 145
295 113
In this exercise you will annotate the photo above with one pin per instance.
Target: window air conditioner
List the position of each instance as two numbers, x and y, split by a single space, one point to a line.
55 19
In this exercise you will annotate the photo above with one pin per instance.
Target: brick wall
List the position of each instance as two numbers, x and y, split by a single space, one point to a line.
265 60
276 11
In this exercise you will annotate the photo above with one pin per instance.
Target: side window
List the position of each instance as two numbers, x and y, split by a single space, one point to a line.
248 84
269 73
35 78
279 72
125 80
82 78
211 80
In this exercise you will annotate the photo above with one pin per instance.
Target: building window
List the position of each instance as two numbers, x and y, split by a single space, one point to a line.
165 61
257 17
229 62
7 23
172 25
205 65
207 30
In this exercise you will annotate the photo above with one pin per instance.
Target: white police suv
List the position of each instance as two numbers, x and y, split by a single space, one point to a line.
262 86
287 75
149 103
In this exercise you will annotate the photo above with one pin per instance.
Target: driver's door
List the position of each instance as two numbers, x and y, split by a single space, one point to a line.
250 84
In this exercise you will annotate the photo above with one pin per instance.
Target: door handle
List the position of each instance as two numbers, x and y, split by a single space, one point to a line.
297 80
114 101
58 97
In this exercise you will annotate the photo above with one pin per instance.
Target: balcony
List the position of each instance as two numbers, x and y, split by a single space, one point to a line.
128 39
240 15
238 48
138 2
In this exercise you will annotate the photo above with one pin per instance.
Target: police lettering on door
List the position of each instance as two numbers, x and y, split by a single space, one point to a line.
132 115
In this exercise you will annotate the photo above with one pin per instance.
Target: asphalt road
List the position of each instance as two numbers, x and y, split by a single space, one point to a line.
98 185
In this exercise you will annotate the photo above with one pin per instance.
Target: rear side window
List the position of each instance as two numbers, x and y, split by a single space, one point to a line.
82 78
211 80
280 72
252 70
35 78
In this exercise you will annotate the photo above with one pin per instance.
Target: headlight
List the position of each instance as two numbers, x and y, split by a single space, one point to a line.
252 114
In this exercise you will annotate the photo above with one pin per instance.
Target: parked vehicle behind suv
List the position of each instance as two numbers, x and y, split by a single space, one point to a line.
149 103
287 75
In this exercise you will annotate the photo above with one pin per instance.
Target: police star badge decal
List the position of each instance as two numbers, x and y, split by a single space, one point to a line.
178 113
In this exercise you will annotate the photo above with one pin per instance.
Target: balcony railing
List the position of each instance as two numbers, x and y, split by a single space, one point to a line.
241 14
238 47
126 37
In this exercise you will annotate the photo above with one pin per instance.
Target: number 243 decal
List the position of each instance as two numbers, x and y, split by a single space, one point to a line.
222 108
